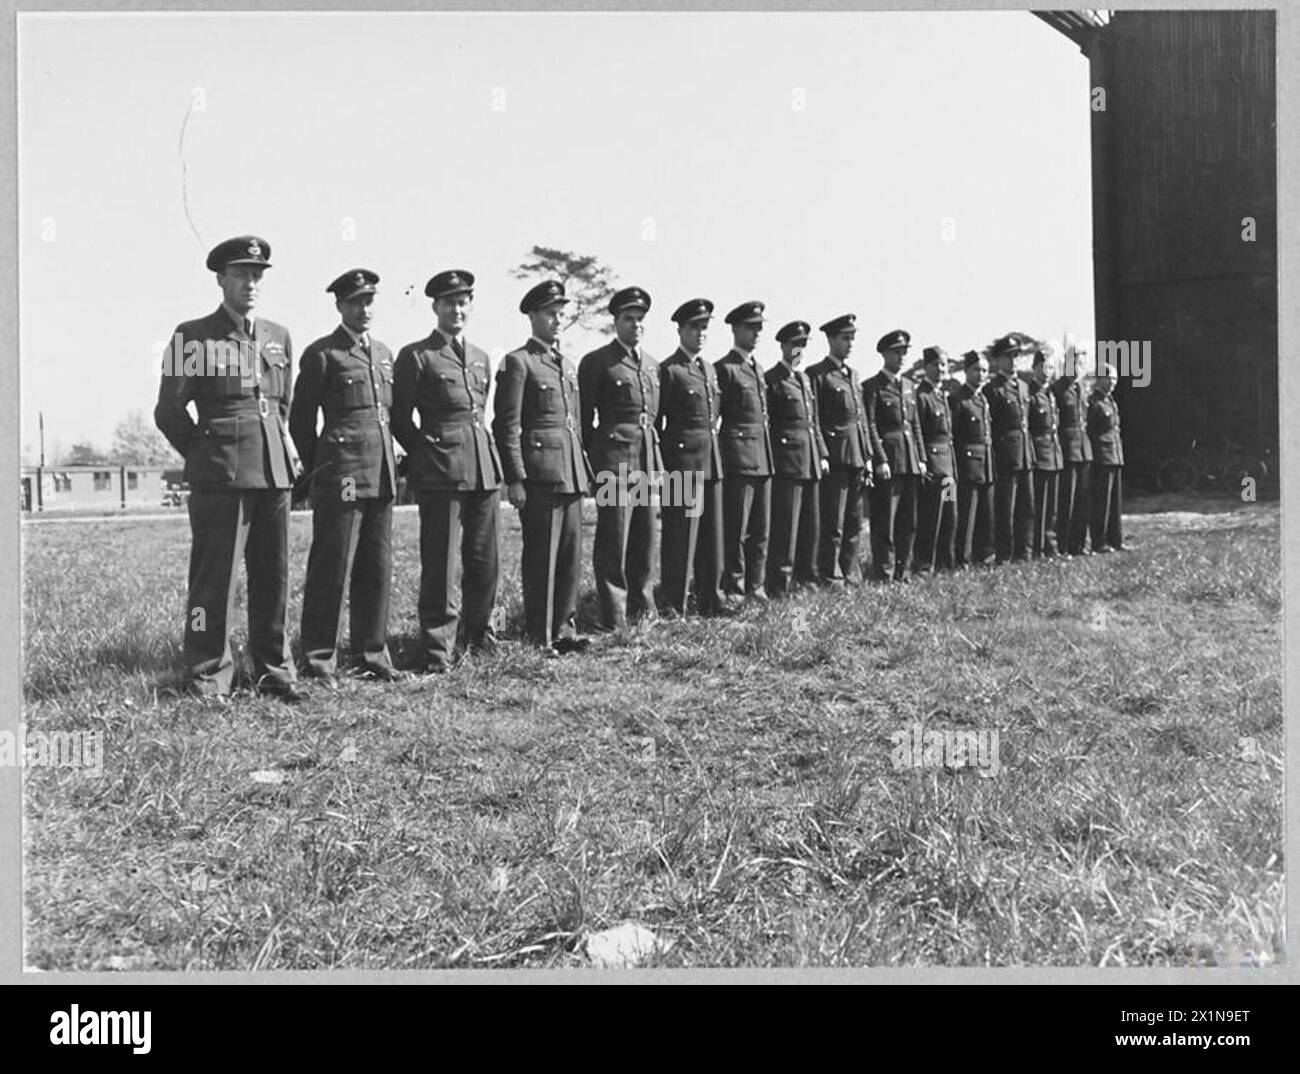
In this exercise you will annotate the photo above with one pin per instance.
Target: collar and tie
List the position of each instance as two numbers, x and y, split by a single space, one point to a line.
458 348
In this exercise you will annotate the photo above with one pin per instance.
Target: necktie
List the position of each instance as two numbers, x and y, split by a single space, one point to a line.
248 327
459 348
364 344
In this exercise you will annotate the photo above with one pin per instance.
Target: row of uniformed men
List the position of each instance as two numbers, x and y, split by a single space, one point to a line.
782 453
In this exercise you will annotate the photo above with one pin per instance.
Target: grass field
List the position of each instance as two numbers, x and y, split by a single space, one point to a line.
729 785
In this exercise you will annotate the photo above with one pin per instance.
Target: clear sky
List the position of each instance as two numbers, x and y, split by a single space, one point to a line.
927 171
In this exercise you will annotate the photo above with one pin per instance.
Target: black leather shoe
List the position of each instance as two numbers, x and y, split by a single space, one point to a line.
381 673
575 644
289 692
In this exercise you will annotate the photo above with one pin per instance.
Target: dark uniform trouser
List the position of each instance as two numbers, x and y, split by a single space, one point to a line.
1013 507
349 538
224 525
551 562
1072 507
1046 484
692 547
746 515
792 557
893 525
841 523
458 539
936 524
974 522
1107 492
622 556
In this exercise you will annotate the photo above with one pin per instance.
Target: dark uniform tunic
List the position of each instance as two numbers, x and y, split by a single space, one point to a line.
844 427
973 458
1107 472
239 467
353 479
798 450
620 405
747 465
1013 486
936 511
692 491
455 473
1076 457
895 432
1043 425
536 426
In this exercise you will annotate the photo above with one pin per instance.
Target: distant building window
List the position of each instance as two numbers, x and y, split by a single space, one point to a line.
132 480
103 480
62 482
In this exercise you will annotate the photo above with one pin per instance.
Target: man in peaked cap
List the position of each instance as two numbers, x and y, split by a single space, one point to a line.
936 511
1044 422
1013 488
691 552
619 388
1076 459
843 424
801 460
537 429
747 462
973 450
1107 464
237 370
349 375
455 472
897 452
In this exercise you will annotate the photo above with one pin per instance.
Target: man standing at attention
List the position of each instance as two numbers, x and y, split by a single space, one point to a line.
896 450
848 448
747 466
619 388
455 472
1076 458
1107 464
692 490
1013 487
1047 454
349 375
239 464
973 448
800 456
937 500
536 424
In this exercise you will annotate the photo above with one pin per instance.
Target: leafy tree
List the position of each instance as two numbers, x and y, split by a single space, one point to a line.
588 284
83 454
137 440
